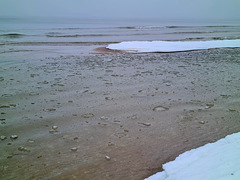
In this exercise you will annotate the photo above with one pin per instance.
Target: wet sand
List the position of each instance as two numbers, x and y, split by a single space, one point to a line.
141 110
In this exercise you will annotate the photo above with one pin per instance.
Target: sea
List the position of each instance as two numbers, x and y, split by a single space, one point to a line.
77 31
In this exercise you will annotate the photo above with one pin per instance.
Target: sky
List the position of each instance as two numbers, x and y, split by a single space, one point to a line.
172 9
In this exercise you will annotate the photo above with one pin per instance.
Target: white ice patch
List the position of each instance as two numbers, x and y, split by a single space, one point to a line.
172 46
219 160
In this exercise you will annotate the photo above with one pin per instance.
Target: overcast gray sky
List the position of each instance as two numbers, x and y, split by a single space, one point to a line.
203 9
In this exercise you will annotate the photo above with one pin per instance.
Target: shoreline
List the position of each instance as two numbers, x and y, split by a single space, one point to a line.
141 110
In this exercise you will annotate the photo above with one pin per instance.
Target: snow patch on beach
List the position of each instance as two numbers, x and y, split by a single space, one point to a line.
219 160
172 46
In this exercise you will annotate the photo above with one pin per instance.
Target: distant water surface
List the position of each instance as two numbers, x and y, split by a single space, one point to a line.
57 31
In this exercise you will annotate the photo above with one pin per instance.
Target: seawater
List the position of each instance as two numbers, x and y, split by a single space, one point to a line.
57 31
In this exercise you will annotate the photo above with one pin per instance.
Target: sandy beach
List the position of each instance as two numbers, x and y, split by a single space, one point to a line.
111 115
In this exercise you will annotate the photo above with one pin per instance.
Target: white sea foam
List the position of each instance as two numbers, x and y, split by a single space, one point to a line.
219 160
172 46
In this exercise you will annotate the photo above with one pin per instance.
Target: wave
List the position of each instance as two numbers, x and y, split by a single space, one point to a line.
76 35
193 39
143 27
173 27
12 35
60 43
77 28
225 38
54 33
190 32
140 27
93 35
200 32
120 27
206 38
127 27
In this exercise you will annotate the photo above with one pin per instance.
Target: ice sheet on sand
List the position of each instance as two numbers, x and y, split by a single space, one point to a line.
172 46
219 160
